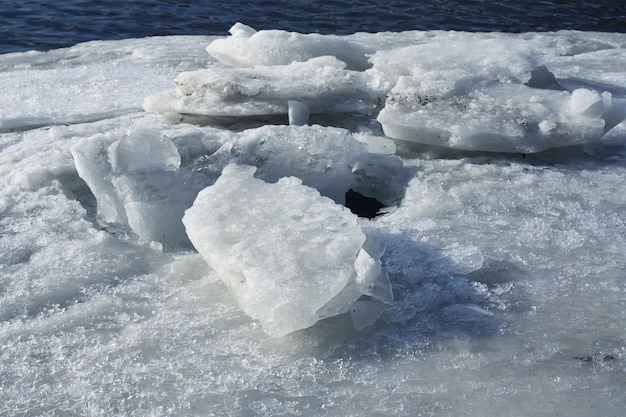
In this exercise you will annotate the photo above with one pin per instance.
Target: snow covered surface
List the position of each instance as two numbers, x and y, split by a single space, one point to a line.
505 249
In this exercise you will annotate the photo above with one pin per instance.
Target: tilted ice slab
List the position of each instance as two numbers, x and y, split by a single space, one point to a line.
328 159
488 95
137 183
290 256
248 48
322 83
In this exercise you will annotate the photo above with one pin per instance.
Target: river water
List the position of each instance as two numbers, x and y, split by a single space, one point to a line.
44 25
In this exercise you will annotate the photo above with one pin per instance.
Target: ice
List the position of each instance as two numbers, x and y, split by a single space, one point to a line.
486 118
249 48
582 99
131 177
328 159
485 95
437 66
507 268
298 113
286 252
321 83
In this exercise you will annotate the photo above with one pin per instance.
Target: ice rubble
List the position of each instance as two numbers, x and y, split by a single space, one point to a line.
290 256
477 94
142 187
487 254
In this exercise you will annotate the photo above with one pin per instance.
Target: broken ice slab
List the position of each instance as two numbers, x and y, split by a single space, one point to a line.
132 177
499 117
435 67
329 159
248 48
322 84
289 256
485 95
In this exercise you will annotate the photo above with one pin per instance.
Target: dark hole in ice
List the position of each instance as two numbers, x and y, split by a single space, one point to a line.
363 206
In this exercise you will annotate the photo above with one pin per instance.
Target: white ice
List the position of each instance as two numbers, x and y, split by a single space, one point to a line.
321 83
482 94
90 81
290 256
488 95
328 159
507 270
248 48
131 176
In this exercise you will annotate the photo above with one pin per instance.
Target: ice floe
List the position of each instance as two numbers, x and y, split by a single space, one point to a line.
490 94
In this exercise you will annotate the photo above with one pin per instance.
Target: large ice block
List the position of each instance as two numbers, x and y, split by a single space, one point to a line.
321 83
247 48
289 256
482 95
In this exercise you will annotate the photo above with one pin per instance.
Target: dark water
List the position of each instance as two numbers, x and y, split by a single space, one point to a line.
49 24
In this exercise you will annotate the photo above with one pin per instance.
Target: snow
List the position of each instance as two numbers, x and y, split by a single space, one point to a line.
503 242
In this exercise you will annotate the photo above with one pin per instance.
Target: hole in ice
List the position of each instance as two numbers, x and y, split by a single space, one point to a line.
363 206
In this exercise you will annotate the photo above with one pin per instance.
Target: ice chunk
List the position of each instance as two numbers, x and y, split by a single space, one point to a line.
496 117
477 95
248 48
436 67
582 99
323 84
290 256
322 157
239 30
328 159
136 182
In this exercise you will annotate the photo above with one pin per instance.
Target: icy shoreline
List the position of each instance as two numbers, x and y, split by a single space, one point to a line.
507 269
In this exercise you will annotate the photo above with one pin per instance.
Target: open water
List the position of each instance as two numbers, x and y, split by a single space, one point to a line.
43 25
